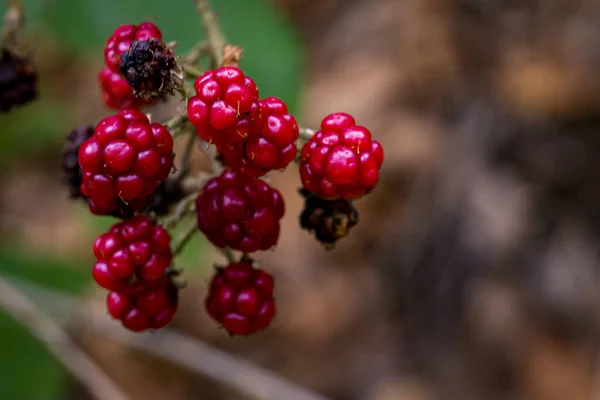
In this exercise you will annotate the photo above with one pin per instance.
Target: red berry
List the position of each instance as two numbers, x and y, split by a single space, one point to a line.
121 39
124 161
224 109
341 160
150 308
116 92
273 148
241 298
240 212
131 250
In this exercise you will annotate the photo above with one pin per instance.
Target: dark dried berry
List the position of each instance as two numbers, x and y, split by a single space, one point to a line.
329 220
18 81
147 67
167 194
71 168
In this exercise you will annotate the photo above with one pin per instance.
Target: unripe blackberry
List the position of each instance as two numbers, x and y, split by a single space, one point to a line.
70 163
224 109
124 160
147 66
241 298
18 80
240 212
151 308
133 251
272 149
328 220
341 160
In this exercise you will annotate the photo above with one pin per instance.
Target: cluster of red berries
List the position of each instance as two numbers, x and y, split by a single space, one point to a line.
241 298
116 91
125 162
254 136
132 262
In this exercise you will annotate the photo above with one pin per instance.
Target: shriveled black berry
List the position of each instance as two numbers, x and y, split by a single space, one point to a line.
70 161
18 80
328 220
147 67
167 193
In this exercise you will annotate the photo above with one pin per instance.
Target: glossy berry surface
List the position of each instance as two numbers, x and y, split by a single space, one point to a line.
123 36
272 148
341 160
124 161
133 255
240 212
241 299
152 308
224 109
116 92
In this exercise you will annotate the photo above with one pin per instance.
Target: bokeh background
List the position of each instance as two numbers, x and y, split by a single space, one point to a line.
474 271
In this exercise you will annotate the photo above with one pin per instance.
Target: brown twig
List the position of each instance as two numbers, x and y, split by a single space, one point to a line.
196 53
180 349
213 31
59 344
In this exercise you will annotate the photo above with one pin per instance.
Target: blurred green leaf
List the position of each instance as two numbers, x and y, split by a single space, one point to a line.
65 275
272 52
27 371
24 359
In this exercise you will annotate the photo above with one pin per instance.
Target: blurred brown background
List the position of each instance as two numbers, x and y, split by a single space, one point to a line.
473 273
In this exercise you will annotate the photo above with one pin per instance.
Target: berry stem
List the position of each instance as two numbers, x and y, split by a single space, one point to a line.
213 31
183 208
185 238
176 122
191 71
187 155
198 51
227 253
306 134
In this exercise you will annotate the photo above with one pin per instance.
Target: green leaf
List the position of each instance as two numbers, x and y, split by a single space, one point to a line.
27 371
65 275
272 51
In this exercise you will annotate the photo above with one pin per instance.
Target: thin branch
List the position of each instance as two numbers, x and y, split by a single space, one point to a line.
196 52
191 230
213 32
58 342
187 155
180 349
227 253
183 208
191 71
306 134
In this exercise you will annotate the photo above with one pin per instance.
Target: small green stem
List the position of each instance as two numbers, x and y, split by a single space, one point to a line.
191 230
227 253
198 51
191 71
213 31
306 134
183 209
187 154
176 122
